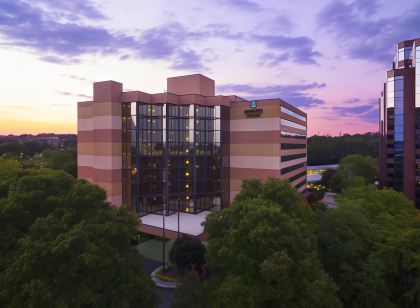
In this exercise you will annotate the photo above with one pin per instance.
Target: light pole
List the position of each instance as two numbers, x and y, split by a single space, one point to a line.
178 216
163 239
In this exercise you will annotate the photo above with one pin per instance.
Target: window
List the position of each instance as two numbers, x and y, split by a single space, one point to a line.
299 185
292 157
292 146
297 176
292 113
292 124
292 135
292 168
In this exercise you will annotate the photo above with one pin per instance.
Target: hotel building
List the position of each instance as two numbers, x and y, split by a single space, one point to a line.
185 150
399 118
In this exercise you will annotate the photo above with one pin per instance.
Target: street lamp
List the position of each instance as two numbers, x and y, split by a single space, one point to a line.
163 239
178 201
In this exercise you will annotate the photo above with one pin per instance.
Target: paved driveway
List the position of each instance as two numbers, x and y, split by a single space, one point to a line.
166 295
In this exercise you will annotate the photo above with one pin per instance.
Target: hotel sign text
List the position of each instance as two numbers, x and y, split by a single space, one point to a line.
253 113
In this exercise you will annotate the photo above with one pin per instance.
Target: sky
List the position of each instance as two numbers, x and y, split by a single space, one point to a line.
328 58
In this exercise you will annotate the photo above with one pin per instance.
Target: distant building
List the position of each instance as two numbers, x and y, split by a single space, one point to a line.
186 150
399 119
50 140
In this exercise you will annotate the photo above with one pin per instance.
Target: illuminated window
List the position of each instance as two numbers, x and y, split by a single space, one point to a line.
187 162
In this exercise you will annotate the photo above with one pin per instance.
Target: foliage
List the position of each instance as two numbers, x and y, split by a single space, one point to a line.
187 252
63 245
190 294
25 149
370 245
314 197
326 177
263 251
65 160
325 150
354 170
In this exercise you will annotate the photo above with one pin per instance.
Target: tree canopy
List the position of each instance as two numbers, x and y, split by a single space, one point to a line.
325 150
263 251
370 245
63 245
354 170
187 252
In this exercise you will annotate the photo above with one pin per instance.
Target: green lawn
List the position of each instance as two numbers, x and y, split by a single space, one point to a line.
152 249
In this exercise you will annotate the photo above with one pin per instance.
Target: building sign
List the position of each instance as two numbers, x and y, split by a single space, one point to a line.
253 113
253 104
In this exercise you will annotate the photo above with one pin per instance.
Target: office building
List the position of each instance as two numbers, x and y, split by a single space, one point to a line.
187 149
399 118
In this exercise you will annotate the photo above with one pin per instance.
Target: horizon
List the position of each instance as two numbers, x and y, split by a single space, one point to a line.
327 58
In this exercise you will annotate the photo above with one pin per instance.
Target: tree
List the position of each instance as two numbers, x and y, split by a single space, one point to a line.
370 246
63 245
61 160
325 150
345 238
358 165
190 294
263 251
326 177
187 252
354 170
396 227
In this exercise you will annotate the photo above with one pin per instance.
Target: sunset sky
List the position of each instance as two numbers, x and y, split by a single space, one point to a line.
327 57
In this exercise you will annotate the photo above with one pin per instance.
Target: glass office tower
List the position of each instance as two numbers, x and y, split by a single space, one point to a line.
399 118
172 156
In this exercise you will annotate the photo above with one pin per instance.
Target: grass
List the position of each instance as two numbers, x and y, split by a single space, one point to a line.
152 249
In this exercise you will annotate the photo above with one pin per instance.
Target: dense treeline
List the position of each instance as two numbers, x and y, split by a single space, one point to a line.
37 155
63 245
271 249
324 150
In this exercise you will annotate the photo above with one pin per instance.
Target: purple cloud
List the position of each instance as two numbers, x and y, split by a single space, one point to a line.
283 48
163 41
242 4
294 94
367 112
37 27
72 10
34 27
365 36
27 26
187 60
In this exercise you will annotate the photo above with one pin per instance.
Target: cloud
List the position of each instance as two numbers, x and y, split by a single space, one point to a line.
294 94
363 34
60 60
28 26
187 60
43 27
242 4
85 96
34 26
285 48
282 22
66 93
73 9
368 111
163 41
